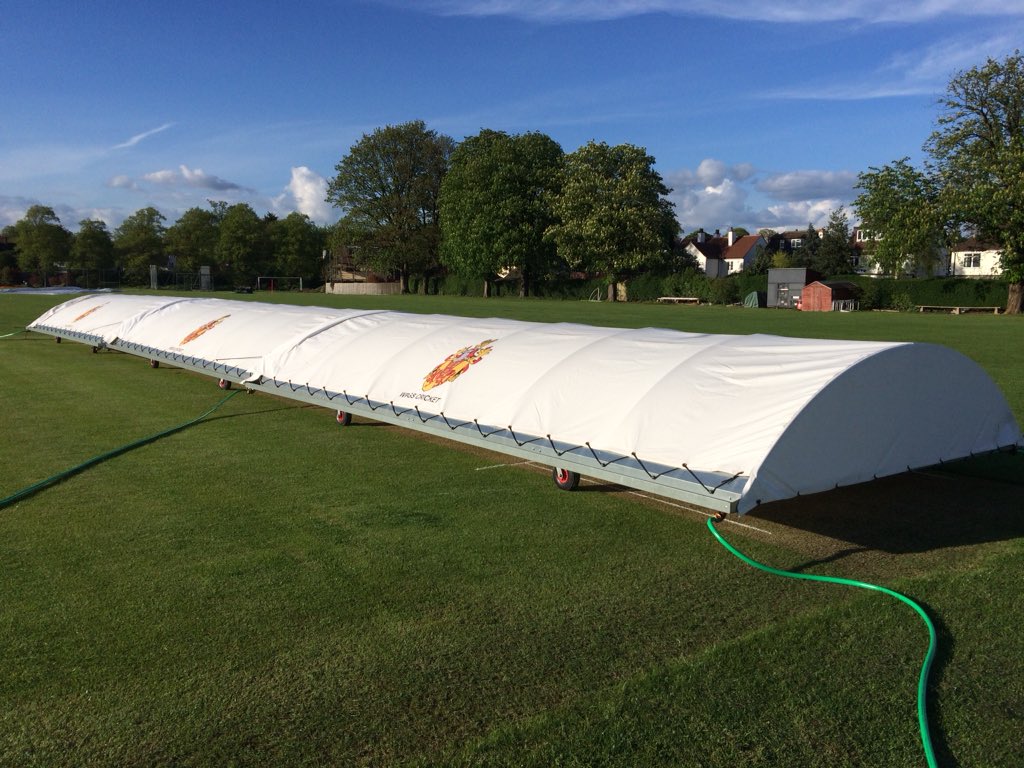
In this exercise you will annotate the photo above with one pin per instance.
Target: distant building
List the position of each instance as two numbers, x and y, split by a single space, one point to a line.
830 296
786 286
718 256
864 264
974 258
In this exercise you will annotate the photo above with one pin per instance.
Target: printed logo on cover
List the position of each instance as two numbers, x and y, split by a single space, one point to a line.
202 329
457 364
90 311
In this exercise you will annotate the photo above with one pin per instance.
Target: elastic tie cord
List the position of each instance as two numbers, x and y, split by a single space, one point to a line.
922 683
54 479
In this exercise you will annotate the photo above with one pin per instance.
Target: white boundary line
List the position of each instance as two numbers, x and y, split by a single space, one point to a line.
498 466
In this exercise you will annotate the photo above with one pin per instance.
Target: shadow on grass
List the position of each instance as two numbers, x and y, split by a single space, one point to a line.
944 652
914 512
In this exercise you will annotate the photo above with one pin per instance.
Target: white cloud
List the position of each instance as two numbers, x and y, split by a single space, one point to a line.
193 177
716 195
306 193
709 173
122 182
782 11
140 136
713 207
12 208
910 72
804 185
798 214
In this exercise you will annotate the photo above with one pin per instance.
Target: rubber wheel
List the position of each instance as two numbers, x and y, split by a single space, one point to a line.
57 338
224 384
565 479
95 350
344 418
154 363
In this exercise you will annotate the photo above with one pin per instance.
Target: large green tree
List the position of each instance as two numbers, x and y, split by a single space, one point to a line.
899 205
297 246
193 238
496 204
242 245
41 241
612 213
139 243
978 150
388 187
92 248
835 252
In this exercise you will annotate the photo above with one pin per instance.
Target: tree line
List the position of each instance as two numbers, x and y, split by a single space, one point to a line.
416 203
233 240
971 183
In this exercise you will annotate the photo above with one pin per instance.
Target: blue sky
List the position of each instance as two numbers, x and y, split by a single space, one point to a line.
759 114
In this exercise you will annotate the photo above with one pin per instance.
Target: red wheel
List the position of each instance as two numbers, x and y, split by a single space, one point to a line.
565 479
344 418
154 363
224 384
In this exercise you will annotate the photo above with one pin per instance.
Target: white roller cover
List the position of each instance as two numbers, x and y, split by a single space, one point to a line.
775 417
99 317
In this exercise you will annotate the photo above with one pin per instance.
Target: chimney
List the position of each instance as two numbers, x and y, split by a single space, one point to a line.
732 237
700 235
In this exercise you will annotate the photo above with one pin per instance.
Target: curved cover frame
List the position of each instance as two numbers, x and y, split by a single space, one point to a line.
726 422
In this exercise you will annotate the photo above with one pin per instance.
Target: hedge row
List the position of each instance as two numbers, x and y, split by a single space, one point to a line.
877 293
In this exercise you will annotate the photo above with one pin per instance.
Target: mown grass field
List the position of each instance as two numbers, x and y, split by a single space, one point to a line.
267 589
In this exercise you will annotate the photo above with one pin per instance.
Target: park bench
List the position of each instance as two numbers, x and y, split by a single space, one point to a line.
957 310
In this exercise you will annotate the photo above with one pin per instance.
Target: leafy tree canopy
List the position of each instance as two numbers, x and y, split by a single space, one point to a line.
900 205
834 254
193 238
496 204
41 240
138 242
612 212
297 246
388 186
978 152
241 243
92 248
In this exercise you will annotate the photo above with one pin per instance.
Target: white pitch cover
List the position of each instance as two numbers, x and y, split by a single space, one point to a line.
789 416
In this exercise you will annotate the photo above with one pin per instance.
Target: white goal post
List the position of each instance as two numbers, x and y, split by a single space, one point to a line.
277 283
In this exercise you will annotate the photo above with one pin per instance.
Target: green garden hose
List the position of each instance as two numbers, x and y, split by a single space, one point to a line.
922 683
54 479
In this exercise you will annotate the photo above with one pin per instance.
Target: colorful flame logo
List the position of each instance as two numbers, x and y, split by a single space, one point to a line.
89 312
202 329
457 364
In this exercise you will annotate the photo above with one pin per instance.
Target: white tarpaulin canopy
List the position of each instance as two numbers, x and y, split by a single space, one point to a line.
728 422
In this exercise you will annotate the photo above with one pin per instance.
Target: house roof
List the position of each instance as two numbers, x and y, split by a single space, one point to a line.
742 247
711 248
841 289
719 248
973 244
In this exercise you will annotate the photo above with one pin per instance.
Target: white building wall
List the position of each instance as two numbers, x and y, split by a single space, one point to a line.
976 263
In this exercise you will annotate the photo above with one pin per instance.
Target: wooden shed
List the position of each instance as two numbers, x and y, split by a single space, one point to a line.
831 296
